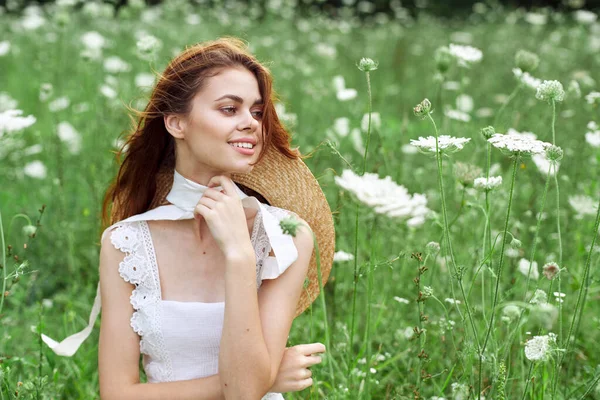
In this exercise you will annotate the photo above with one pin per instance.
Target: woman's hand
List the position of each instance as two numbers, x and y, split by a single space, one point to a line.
294 373
224 214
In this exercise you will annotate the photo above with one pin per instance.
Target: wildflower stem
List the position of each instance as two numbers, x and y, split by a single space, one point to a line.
586 272
369 295
447 231
499 270
364 168
4 266
553 121
510 98
323 306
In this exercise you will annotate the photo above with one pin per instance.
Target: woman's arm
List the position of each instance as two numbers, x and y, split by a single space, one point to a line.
256 328
119 347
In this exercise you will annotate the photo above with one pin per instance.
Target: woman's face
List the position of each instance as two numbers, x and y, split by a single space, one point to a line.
226 110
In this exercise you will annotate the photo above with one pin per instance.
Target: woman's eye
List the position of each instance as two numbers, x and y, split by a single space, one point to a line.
259 113
227 109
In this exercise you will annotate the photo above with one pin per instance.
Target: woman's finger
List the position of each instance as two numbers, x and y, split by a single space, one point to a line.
214 193
312 360
303 384
311 348
223 181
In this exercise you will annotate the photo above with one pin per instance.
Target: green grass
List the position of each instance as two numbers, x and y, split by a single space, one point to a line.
63 256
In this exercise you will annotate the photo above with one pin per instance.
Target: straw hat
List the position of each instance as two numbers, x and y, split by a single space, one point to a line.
287 184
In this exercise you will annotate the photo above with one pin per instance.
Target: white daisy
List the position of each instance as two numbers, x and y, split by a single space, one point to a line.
445 143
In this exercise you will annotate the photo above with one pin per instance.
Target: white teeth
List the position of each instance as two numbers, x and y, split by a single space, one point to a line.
243 145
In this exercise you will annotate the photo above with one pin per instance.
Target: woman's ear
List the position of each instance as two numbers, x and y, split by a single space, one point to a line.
175 125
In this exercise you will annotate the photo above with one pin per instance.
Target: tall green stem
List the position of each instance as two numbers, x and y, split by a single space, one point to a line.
4 266
364 168
458 273
499 270
578 312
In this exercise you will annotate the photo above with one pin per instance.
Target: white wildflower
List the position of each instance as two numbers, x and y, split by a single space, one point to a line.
367 64
375 121
460 391
538 348
341 126
357 142
11 121
144 80
408 333
32 150
115 64
326 50
346 94
583 205
457 115
525 266
452 301
339 83
401 300
340 256
539 297
527 78
32 18
93 40
7 102
59 104
536 18
68 134
592 97
4 47
445 143
35 169
464 103
384 195
465 54
485 184
518 143
510 313
409 149
585 17
593 126
593 138
147 46
108 92
46 91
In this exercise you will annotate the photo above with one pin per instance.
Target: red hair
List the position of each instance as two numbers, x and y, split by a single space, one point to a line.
149 148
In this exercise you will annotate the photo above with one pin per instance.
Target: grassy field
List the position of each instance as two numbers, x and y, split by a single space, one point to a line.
408 320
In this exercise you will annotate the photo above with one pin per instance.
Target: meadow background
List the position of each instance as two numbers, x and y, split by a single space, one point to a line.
72 67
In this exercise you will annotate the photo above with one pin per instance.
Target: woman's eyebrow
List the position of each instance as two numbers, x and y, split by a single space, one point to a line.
238 99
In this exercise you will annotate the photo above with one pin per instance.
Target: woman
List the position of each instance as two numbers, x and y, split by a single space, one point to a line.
188 271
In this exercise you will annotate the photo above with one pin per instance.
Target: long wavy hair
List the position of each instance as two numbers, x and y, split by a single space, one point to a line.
150 149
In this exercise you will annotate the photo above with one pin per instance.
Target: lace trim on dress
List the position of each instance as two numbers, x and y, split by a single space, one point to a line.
139 268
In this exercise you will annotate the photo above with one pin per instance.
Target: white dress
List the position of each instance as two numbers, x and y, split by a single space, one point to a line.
178 340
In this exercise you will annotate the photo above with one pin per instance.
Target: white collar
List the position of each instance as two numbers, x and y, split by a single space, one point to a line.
184 196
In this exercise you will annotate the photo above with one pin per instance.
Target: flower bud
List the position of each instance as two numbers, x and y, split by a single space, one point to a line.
423 108
29 230
289 225
550 91
366 64
554 153
432 248
443 59
526 61
515 243
488 132
550 270
427 292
